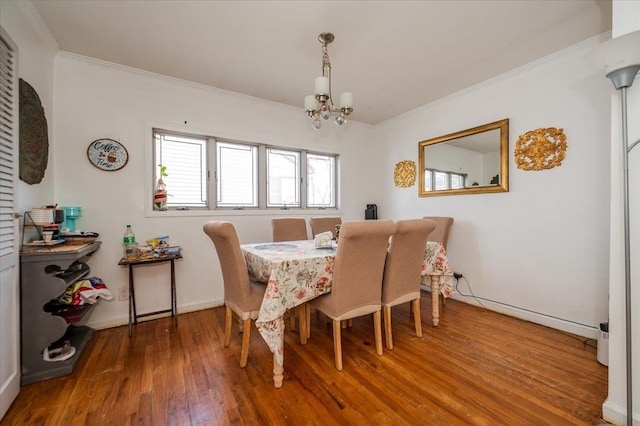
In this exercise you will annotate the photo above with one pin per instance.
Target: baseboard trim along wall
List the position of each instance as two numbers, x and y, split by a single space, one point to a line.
183 309
537 318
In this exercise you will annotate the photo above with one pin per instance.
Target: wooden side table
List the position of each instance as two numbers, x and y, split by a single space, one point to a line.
133 314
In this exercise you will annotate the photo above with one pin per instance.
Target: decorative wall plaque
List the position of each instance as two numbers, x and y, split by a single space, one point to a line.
404 174
34 137
541 149
107 154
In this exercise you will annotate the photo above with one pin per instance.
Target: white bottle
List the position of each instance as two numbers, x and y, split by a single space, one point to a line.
129 242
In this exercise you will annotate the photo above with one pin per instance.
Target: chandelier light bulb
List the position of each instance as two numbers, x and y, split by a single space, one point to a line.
310 103
346 100
322 85
325 114
339 120
316 124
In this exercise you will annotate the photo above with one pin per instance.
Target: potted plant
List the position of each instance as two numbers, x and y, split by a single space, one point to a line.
160 193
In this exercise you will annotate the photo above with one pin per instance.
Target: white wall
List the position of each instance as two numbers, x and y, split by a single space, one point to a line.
36 52
626 19
543 246
96 99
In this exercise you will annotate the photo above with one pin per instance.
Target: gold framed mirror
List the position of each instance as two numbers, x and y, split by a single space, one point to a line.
472 161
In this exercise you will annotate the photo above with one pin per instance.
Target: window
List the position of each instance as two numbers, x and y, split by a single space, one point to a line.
457 180
321 180
237 175
443 180
283 178
185 160
206 172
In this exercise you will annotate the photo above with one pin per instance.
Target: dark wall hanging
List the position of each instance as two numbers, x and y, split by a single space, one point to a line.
34 138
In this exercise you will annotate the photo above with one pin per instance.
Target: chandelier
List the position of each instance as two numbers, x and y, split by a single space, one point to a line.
321 104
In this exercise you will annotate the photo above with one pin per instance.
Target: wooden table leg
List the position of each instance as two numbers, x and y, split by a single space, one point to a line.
278 369
132 301
278 373
435 299
174 301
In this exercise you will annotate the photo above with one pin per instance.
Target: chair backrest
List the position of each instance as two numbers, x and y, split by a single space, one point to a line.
323 224
289 229
441 233
404 259
359 264
234 268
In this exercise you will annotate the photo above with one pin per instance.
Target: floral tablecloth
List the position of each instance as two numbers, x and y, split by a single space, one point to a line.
436 263
297 271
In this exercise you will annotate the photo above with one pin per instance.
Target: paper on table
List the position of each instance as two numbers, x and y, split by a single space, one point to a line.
323 239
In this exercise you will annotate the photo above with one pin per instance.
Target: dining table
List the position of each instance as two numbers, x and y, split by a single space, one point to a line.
298 271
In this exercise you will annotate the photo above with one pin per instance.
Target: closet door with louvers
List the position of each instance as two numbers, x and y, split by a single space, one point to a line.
9 242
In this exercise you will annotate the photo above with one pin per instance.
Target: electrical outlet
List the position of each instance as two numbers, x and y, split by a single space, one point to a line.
457 275
123 293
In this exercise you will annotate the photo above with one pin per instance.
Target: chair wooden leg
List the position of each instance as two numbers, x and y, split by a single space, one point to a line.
377 324
246 333
302 316
227 326
416 316
307 314
337 344
387 327
292 319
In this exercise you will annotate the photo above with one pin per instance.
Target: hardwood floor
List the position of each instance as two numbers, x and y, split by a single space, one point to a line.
478 367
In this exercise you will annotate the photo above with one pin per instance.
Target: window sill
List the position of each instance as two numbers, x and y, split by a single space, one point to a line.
245 212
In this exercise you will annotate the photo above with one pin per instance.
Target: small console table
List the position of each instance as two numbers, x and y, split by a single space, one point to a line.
133 314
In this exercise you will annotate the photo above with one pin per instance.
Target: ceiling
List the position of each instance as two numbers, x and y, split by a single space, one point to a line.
394 56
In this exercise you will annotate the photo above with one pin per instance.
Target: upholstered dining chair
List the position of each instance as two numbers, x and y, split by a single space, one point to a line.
441 233
241 296
323 224
401 281
356 289
289 229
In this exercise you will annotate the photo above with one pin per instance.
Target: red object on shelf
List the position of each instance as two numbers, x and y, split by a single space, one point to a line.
73 313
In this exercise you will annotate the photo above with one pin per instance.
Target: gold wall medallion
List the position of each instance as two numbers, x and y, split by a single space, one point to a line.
404 174
541 149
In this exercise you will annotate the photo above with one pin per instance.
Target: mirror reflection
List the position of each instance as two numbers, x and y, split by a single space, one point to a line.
471 161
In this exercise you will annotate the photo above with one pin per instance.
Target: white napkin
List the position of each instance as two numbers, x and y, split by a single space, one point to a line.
323 239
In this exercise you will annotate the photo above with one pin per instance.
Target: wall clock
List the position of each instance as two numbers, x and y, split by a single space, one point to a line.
107 154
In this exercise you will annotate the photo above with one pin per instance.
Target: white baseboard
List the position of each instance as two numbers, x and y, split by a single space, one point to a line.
617 414
124 320
558 324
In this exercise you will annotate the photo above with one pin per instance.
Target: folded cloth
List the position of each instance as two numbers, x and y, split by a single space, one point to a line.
85 291
323 239
96 289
